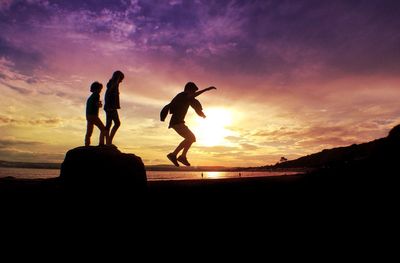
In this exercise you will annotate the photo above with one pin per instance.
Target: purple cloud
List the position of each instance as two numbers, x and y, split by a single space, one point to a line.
256 38
25 60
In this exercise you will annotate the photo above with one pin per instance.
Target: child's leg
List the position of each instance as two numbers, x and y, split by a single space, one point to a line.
89 131
102 128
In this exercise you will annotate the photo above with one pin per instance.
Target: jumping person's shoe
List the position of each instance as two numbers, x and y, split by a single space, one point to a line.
172 158
183 160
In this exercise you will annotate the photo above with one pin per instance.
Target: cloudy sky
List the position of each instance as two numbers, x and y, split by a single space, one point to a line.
292 77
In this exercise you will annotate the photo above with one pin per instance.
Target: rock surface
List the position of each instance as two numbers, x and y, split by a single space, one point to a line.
105 168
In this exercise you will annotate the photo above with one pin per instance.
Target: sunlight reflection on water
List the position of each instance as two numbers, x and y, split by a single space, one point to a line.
184 175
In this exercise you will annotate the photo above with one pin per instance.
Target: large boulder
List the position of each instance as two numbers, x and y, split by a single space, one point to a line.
103 168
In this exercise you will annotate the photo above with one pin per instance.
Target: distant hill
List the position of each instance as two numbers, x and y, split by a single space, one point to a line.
384 152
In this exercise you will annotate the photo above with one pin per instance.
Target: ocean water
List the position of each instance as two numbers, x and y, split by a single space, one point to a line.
28 173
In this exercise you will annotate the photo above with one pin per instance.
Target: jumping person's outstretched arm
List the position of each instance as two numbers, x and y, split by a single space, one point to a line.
204 90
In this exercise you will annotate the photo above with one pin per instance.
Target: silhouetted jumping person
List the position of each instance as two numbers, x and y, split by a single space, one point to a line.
111 105
92 114
178 107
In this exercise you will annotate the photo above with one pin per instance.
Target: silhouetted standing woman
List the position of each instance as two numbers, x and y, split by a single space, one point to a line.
111 105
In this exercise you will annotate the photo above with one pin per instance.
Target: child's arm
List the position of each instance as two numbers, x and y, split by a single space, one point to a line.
99 104
204 90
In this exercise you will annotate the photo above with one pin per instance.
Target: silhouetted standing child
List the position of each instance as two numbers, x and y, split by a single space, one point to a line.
178 108
92 114
111 104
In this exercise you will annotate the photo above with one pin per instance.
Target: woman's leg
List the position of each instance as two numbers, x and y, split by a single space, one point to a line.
112 116
114 129
108 126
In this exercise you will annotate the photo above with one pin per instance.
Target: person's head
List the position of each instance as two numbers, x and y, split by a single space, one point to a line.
118 76
96 87
190 87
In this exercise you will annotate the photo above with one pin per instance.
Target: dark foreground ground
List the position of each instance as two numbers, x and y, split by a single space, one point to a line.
287 208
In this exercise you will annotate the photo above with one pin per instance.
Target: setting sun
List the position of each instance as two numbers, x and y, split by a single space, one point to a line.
212 130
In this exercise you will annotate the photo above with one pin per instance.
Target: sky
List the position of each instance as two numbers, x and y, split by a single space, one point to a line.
293 77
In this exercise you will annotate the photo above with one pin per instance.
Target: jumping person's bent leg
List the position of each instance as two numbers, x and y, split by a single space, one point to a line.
180 147
188 144
184 131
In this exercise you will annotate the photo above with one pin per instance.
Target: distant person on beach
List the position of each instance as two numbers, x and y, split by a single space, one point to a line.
111 105
178 107
92 114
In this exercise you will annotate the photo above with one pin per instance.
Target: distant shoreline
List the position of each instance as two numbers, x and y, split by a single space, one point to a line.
7 164
162 167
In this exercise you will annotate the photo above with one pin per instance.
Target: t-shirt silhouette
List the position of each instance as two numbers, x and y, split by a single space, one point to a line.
92 104
179 107
111 98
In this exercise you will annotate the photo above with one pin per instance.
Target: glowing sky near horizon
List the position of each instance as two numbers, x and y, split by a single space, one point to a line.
293 77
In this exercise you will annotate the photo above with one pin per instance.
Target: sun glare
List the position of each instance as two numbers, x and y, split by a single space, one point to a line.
212 130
